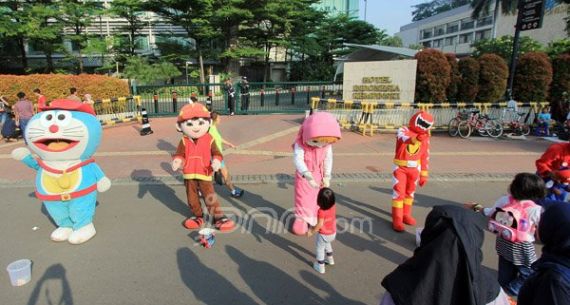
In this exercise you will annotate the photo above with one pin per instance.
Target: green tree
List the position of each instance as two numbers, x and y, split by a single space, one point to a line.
391 41
13 26
144 73
227 18
78 15
560 89
194 16
503 46
131 11
558 47
434 7
45 35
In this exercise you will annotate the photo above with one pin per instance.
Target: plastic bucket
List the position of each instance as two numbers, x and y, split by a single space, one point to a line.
20 272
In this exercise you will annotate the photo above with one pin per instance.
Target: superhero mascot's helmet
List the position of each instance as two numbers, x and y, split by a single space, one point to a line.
421 122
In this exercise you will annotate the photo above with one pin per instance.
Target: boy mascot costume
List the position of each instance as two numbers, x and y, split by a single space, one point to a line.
198 157
65 135
410 165
313 162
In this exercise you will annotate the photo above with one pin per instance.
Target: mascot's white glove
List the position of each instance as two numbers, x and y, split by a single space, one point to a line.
216 165
310 179
327 181
20 153
104 184
176 164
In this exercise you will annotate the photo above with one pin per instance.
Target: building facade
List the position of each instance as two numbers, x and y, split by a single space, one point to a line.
455 31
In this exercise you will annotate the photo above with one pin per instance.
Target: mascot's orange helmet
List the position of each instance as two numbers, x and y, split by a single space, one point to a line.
421 122
190 111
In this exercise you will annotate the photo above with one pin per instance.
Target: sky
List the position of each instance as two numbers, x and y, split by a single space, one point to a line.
388 14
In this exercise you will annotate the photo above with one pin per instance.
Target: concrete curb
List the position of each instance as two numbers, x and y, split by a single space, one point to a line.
286 178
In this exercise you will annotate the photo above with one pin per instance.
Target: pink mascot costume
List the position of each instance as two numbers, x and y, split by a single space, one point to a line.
313 162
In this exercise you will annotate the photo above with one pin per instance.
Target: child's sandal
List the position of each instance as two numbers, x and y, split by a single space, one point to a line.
224 224
194 223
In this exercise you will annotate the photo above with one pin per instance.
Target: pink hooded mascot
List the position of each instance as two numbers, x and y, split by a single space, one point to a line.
313 162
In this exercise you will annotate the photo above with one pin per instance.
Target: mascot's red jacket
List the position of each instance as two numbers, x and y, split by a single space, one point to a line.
410 165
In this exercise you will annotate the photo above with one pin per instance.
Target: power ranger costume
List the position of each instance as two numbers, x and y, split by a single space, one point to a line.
410 165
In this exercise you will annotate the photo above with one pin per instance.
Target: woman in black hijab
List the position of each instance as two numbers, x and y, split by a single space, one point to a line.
446 268
550 284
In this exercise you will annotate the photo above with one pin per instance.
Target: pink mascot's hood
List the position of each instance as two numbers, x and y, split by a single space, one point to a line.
320 124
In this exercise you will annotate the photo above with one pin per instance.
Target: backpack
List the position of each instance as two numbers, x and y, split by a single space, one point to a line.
511 221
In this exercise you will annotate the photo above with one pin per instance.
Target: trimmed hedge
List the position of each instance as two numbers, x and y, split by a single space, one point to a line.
469 87
560 86
493 74
433 76
532 77
455 77
57 86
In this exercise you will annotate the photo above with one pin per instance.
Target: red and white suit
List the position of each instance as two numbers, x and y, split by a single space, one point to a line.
411 162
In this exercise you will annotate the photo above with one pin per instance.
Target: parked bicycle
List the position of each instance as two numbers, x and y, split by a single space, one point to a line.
482 123
453 125
517 124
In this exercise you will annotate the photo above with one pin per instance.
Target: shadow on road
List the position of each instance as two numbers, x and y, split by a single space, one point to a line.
290 290
420 199
52 288
208 285
161 192
318 283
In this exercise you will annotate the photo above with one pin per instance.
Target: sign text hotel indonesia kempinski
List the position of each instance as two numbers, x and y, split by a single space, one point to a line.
376 88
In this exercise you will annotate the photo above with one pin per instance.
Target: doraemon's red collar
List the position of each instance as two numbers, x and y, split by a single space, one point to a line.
68 170
62 104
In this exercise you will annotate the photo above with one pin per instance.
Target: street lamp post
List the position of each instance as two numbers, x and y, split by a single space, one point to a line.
365 8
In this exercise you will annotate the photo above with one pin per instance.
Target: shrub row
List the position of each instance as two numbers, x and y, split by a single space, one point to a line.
57 85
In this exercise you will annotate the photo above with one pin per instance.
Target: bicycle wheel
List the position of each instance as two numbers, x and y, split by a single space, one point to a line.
464 129
494 128
453 127
524 129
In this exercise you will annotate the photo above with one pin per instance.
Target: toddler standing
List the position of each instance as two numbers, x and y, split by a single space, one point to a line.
325 229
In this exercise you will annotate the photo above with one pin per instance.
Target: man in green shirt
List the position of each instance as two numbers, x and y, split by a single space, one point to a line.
235 191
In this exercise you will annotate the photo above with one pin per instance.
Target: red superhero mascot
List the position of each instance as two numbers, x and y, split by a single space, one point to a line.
554 158
410 165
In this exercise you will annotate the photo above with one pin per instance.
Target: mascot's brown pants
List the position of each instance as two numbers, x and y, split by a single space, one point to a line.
210 198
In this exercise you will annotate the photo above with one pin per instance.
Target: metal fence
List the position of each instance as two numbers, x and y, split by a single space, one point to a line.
117 110
370 115
285 97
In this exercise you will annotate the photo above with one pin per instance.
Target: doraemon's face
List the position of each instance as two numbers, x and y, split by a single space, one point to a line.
59 135
195 128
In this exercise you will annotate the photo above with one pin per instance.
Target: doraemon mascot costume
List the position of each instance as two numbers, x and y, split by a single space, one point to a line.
64 136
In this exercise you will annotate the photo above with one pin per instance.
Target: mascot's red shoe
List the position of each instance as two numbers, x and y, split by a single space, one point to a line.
194 223
224 224
397 219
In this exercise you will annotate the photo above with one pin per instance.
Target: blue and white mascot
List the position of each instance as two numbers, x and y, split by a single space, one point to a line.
64 136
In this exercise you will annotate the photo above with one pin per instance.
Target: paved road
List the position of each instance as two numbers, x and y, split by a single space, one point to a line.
142 254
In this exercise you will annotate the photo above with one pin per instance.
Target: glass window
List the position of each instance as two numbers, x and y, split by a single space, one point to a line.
452 27
466 38
437 43
484 21
480 35
141 43
439 30
427 44
450 41
467 24
425 34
